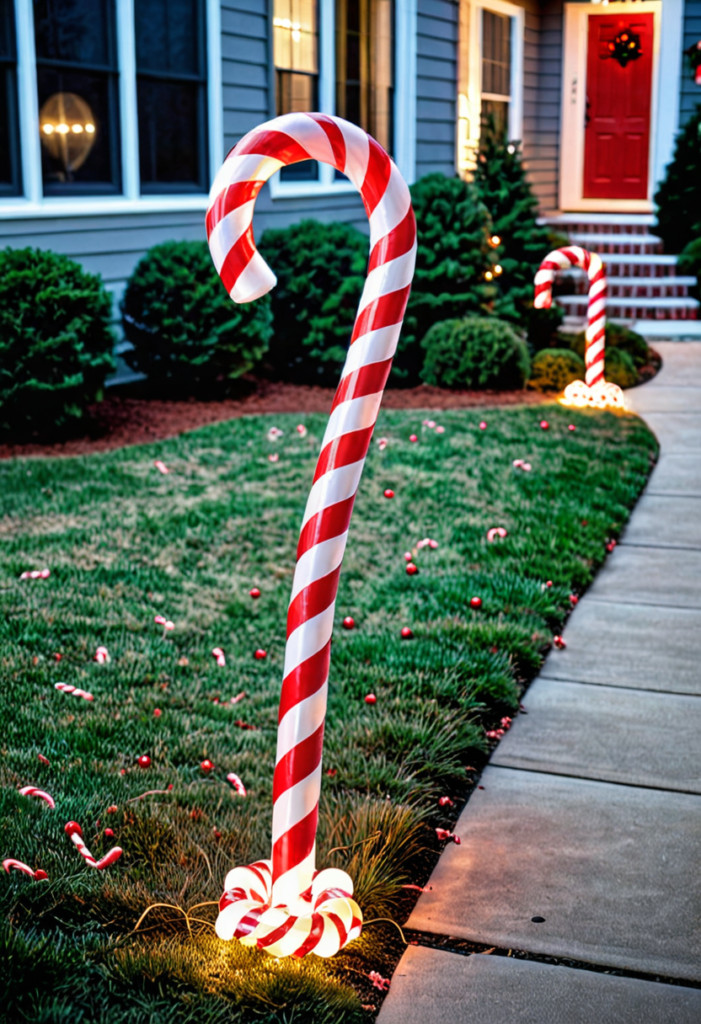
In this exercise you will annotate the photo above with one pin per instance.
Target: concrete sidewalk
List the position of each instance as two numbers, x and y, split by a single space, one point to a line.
582 849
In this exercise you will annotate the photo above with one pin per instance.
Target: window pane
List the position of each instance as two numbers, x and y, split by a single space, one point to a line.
495 113
496 53
9 136
77 129
295 35
167 35
169 146
77 31
364 71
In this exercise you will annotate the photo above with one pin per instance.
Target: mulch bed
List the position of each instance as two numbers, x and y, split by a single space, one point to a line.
126 418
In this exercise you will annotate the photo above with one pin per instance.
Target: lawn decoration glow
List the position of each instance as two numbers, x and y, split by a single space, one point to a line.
284 905
593 391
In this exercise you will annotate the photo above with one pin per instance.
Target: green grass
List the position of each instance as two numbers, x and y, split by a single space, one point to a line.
124 543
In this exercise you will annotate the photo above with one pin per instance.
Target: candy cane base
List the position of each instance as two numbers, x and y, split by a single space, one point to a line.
602 395
323 920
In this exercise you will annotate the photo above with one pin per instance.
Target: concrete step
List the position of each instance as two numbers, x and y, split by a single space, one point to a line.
635 308
671 286
603 223
617 242
640 265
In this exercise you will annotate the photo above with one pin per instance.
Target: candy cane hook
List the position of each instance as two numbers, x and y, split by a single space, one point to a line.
594 390
287 907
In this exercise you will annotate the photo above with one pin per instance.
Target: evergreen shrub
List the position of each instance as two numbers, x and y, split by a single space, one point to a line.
56 341
453 229
320 270
189 337
679 198
475 352
619 368
554 368
502 185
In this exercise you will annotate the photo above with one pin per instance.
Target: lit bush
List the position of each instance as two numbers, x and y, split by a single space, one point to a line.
554 368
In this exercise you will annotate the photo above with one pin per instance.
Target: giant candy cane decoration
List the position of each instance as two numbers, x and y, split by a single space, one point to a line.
286 906
594 390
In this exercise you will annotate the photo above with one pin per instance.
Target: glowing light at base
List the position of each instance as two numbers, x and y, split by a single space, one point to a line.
602 395
322 920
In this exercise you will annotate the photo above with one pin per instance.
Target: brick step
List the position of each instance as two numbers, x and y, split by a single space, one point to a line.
617 243
641 265
671 287
634 309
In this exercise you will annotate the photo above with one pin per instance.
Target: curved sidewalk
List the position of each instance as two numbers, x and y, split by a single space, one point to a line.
581 851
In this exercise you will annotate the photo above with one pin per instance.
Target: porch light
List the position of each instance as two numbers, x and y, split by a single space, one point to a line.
67 129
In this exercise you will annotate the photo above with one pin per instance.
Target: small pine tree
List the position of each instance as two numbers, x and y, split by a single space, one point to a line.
679 198
504 189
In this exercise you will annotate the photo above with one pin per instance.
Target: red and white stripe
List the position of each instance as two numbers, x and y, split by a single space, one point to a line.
75 834
75 690
19 865
41 793
575 256
280 142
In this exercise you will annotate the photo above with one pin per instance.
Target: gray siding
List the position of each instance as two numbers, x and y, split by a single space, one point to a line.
541 101
436 86
690 92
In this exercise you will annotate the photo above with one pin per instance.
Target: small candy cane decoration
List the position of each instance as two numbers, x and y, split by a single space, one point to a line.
496 531
288 907
102 656
218 655
35 574
75 690
40 793
236 782
39 875
75 834
594 390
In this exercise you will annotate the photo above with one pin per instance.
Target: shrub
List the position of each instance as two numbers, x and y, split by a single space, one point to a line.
622 338
619 368
55 341
475 352
453 254
554 368
320 271
677 198
188 335
690 262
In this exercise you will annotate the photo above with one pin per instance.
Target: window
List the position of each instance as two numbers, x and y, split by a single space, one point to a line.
490 74
337 57
76 69
170 74
496 69
109 98
9 147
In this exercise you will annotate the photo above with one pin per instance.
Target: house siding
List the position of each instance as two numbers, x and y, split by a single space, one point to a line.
690 94
541 99
436 86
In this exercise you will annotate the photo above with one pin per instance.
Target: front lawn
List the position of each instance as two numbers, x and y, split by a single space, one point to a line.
124 543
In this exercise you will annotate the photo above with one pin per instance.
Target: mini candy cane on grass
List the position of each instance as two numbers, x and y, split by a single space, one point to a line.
75 834
594 390
285 906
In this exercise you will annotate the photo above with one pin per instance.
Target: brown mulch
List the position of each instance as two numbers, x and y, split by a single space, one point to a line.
126 419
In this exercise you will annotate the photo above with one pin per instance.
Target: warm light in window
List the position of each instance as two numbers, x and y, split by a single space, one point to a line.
293 26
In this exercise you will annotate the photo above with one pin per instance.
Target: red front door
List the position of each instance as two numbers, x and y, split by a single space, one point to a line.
617 133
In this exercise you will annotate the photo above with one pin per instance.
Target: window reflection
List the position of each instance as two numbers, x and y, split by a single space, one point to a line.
364 71
296 59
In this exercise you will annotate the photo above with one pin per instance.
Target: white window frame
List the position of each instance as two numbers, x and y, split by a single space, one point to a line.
404 101
33 202
470 103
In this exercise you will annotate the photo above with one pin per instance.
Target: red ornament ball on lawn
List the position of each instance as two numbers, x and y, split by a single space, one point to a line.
144 761
483 425
413 437
406 633
389 493
260 654
157 712
72 828
348 622
254 592
544 425
370 698
206 765
571 426
109 833
475 602
559 642
411 569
